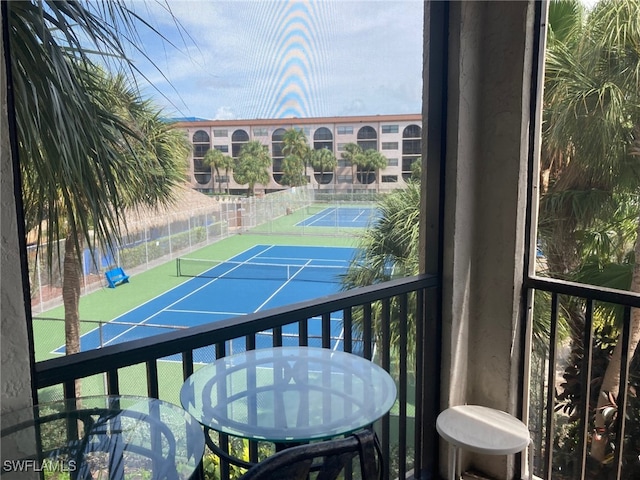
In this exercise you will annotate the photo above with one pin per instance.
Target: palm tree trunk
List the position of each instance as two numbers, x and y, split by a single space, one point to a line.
71 285
611 379
218 179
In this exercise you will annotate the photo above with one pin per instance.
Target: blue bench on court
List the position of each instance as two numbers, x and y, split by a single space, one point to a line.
116 276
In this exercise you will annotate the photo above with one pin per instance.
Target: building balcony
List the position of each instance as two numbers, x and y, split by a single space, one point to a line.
384 323
388 324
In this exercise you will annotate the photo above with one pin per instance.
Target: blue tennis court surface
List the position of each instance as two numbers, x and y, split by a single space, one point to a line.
354 217
263 277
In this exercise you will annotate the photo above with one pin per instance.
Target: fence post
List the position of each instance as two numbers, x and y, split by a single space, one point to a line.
206 227
169 232
39 282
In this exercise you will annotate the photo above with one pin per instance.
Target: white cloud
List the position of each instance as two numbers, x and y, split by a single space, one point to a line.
224 113
366 56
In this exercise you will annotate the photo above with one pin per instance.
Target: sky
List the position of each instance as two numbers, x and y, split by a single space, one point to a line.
282 58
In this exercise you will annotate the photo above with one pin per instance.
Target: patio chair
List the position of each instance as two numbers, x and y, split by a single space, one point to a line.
327 459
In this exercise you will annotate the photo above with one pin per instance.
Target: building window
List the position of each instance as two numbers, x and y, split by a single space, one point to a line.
220 133
367 133
340 147
411 148
277 155
323 133
276 145
323 138
389 129
222 148
240 136
389 145
343 163
201 172
367 138
389 178
238 139
260 132
278 135
412 131
202 178
345 179
200 137
200 150
276 150
392 162
201 145
368 144
345 130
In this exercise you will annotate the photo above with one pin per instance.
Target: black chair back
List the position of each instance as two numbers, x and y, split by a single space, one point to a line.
327 459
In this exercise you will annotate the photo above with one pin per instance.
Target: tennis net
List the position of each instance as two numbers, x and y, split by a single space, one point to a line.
196 267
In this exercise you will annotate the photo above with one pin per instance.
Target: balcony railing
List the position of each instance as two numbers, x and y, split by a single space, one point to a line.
567 372
384 323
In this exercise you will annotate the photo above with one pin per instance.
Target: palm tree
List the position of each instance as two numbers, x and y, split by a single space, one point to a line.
387 250
353 154
293 171
85 139
295 147
372 161
216 160
365 162
252 166
294 142
416 169
323 160
227 164
592 105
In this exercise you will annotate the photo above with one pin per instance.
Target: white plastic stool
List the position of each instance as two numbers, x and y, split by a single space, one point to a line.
481 430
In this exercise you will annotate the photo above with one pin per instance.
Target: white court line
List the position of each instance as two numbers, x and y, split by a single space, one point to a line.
362 212
338 338
331 211
281 287
338 261
184 297
204 312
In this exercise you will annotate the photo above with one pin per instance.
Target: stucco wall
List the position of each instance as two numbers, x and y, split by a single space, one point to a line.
14 350
485 209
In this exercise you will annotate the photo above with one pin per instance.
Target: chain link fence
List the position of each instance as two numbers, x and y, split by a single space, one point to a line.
142 248
165 237
168 236
285 212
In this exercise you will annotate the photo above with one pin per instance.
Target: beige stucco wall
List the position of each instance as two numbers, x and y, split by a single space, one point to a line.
485 204
15 376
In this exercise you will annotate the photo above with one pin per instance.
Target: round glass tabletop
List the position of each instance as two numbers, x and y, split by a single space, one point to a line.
107 437
289 394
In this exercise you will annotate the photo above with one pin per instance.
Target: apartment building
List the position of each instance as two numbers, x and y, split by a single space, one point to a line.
397 137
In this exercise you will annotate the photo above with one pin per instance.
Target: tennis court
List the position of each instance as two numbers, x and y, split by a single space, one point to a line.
350 217
260 278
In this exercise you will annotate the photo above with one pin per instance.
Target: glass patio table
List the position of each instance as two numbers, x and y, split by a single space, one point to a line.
288 394
102 437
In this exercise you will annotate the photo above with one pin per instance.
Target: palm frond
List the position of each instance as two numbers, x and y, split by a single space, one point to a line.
80 146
